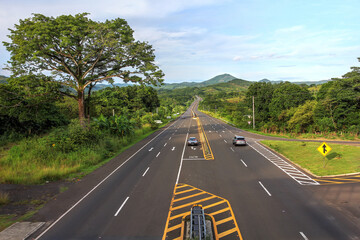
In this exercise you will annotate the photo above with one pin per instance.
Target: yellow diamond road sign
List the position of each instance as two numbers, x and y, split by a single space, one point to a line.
324 149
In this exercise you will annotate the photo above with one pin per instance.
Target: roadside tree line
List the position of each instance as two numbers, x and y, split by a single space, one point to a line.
290 108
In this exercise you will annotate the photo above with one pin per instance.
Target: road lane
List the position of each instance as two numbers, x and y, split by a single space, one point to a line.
295 207
266 202
95 213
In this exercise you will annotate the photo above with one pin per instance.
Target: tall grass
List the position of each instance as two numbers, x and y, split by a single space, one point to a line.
39 159
4 198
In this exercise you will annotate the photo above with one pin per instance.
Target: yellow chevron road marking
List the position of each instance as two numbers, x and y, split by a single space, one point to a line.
217 208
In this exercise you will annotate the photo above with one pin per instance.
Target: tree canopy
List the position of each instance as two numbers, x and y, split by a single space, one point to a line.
78 52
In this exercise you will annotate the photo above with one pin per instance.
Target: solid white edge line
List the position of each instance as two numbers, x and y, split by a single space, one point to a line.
45 231
303 235
122 205
146 171
265 189
243 162
182 158
309 179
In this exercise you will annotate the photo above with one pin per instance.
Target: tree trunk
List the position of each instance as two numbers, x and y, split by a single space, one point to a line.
81 108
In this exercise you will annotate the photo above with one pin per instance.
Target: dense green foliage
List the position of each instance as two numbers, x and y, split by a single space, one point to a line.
43 135
3 79
133 98
78 53
69 151
289 107
27 105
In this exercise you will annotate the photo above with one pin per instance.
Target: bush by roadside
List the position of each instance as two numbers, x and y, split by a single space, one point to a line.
62 153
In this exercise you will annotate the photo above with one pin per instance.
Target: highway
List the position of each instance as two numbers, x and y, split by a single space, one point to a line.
251 192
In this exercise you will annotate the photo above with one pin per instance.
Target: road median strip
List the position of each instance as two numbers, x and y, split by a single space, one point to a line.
208 155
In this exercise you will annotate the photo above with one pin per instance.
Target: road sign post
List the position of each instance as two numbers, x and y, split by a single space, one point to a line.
324 149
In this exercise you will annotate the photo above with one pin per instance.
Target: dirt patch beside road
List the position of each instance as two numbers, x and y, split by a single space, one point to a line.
25 199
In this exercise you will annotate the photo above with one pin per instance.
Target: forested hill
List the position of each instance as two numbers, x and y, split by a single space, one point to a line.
298 83
225 78
3 79
215 80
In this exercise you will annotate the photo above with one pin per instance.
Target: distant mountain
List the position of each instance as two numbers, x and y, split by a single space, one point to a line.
218 79
3 79
235 85
299 83
102 86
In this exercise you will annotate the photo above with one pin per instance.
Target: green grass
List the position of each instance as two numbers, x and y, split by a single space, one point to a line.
343 159
35 161
4 198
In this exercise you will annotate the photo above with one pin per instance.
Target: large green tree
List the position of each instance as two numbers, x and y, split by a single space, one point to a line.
262 93
27 105
130 98
339 102
78 52
287 95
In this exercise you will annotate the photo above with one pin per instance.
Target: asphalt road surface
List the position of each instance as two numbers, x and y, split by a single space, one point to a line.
269 199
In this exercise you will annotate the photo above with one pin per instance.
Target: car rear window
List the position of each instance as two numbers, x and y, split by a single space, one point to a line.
240 138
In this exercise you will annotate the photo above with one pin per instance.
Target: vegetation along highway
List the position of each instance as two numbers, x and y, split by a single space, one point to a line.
83 156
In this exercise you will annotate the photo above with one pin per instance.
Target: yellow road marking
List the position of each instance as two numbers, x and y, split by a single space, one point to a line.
192 203
181 186
224 220
179 215
167 221
214 204
347 179
220 211
338 180
322 180
194 195
176 231
223 234
174 227
189 190
207 152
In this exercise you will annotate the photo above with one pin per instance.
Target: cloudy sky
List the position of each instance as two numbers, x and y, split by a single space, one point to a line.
293 40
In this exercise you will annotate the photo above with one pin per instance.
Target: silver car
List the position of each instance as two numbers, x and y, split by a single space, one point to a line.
193 141
239 140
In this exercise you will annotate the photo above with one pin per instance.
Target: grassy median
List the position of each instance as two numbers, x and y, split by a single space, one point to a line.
343 159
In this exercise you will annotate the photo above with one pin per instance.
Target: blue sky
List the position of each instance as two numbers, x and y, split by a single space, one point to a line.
292 40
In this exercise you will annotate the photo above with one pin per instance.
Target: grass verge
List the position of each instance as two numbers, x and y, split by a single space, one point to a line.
49 158
343 159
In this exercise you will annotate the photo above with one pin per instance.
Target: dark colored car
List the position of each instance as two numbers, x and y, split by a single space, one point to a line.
193 141
239 140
